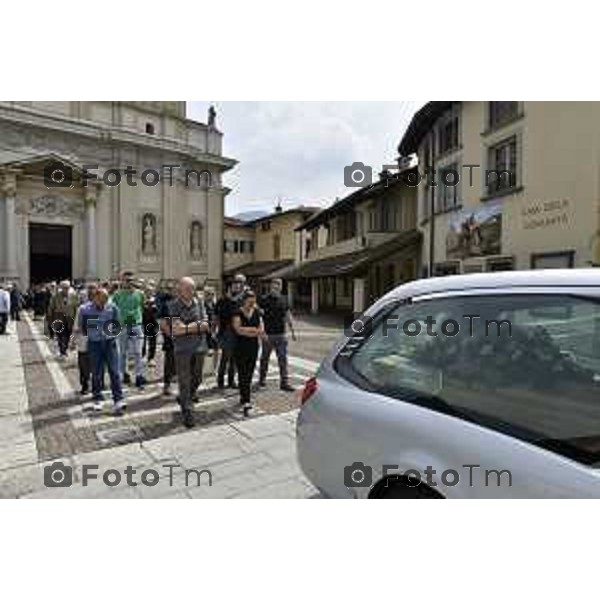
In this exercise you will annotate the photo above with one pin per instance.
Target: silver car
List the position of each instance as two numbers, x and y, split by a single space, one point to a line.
474 386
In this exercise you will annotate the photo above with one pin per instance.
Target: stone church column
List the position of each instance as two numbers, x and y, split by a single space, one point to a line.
214 229
90 200
169 268
9 191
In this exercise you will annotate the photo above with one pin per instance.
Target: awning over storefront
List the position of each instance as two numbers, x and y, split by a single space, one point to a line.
347 264
264 269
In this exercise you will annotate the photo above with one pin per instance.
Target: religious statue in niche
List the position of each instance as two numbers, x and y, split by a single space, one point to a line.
148 234
196 239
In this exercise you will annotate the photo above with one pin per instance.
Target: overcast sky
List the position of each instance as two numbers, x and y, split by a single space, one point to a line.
297 151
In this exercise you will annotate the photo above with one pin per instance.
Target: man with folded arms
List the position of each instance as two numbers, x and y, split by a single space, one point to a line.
188 325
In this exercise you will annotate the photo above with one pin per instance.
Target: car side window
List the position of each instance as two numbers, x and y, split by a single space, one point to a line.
528 365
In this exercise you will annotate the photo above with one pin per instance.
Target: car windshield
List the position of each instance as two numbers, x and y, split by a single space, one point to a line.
527 365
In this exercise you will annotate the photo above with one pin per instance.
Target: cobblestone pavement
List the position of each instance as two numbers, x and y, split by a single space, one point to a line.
43 419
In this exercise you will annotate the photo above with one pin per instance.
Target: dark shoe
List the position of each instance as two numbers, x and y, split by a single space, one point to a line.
167 390
140 382
246 408
188 419
126 378
84 391
232 385
286 387
262 383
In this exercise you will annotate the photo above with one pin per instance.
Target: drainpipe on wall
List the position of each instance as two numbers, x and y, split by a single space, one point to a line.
432 209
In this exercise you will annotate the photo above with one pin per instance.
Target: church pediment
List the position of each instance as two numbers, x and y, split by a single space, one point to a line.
29 160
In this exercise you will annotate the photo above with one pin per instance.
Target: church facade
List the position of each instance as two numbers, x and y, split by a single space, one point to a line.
89 189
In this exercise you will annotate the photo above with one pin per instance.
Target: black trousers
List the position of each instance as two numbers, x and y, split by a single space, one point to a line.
245 360
85 370
64 336
189 376
169 364
15 313
48 329
227 365
3 320
149 344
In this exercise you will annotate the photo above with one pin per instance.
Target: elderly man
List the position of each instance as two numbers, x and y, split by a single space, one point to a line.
188 325
4 308
62 311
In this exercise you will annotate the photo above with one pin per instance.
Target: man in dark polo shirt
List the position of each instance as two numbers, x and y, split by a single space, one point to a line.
224 310
276 316
188 325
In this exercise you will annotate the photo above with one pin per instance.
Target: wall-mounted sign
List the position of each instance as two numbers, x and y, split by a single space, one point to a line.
475 231
539 214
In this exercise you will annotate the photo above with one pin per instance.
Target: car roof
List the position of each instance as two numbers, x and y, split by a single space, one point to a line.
538 277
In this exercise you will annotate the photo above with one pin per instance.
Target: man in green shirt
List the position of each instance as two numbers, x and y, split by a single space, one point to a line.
130 303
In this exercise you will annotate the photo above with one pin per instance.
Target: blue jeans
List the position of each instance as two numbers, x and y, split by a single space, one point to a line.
105 353
278 343
131 345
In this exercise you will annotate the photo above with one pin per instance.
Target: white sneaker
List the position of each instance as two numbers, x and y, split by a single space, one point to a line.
151 364
98 405
118 408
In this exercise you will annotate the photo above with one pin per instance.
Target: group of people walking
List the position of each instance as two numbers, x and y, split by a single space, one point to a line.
113 324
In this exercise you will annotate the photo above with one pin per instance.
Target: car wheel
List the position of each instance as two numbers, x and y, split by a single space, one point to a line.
398 490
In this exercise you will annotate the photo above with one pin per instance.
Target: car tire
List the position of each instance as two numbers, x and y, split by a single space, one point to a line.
401 491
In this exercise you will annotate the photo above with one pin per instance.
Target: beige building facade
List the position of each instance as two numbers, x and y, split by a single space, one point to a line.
276 239
89 189
274 243
357 249
238 244
529 190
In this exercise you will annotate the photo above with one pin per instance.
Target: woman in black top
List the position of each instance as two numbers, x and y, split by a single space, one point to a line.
248 327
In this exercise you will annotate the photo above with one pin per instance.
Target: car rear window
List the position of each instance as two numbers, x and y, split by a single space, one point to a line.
524 364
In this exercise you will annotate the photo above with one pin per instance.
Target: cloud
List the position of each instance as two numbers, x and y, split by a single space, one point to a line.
297 151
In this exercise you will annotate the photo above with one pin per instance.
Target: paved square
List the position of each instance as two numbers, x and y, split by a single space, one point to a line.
44 420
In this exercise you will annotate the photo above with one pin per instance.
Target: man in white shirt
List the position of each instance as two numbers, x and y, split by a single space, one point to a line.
4 308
